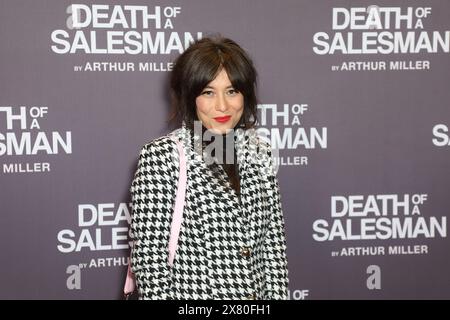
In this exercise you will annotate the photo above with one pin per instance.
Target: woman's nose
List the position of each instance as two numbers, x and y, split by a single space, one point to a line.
221 103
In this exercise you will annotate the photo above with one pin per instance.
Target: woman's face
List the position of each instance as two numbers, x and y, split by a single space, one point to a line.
219 105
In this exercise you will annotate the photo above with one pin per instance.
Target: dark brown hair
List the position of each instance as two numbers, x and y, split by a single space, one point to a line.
199 64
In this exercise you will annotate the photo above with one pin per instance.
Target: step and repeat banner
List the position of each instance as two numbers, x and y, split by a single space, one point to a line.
354 95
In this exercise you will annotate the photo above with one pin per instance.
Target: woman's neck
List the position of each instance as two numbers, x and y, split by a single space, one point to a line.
225 152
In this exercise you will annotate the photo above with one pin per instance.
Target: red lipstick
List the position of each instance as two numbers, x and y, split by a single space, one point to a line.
222 119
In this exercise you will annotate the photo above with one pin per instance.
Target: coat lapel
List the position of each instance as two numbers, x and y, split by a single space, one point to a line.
249 165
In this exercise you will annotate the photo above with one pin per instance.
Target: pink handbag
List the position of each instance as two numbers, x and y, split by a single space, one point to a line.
130 282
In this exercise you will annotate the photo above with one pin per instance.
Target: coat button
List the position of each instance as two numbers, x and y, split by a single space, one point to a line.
252 297
245 252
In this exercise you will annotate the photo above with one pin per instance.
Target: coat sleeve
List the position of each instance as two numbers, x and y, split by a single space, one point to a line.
152 195
274 250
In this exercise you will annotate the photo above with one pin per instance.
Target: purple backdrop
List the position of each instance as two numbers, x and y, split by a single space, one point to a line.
354 95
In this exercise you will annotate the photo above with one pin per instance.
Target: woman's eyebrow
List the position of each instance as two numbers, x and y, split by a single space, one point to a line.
212 87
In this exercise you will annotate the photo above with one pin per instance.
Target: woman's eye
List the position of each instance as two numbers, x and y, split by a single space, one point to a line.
208 93
232 91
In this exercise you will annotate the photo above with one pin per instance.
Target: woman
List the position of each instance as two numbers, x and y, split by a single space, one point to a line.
232 241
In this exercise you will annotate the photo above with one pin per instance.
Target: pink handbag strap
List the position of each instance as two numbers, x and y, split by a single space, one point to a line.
179 204
130 283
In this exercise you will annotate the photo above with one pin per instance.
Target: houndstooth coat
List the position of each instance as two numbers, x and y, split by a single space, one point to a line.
228 248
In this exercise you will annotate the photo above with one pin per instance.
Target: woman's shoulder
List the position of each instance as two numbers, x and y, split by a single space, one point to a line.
266 154
159 146
264 144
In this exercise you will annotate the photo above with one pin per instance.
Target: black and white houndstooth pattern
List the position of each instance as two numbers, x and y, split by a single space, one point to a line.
227 249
